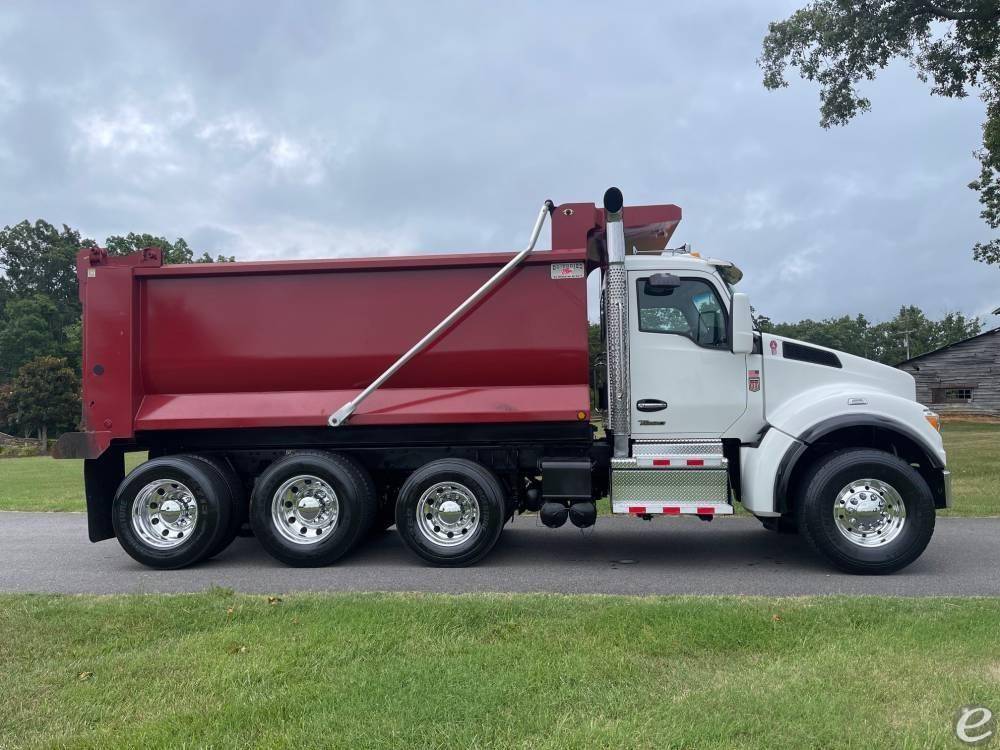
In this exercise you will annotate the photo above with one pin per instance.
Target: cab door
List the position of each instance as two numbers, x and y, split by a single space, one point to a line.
684 380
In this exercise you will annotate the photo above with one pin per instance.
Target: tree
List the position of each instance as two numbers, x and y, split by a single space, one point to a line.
173 252
40 259
955 43
909 334
29 328
45 394
595 346
844 333
7 421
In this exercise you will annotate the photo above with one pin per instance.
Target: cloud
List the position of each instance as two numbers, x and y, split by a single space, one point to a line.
271 130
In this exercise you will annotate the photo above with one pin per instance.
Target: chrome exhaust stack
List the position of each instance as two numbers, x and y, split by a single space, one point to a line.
616 318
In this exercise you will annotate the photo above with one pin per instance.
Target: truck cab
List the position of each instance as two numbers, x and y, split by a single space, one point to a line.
706 410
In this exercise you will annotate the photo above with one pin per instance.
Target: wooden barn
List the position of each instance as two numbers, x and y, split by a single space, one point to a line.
961 378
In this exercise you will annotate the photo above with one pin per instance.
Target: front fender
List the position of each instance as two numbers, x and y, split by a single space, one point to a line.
759 466
766 469
818 411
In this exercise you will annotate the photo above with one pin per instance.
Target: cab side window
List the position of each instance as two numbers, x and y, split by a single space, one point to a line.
692 309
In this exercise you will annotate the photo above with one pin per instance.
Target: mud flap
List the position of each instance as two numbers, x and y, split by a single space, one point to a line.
101 478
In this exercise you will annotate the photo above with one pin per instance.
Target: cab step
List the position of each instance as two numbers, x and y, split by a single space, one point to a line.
672 478
673 509
678 454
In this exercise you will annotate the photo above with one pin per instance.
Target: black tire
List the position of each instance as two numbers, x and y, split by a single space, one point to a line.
781 524
211 496
488 493
237 497
834 472
356 505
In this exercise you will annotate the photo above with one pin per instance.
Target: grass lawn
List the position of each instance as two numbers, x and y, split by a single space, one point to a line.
974 459
429 671
43 483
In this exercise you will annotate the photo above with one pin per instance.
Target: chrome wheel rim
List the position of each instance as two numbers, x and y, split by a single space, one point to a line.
869 512
447 514
305 509
164 514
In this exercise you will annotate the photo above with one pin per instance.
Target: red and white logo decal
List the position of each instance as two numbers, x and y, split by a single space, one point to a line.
567 271
753 380
774 347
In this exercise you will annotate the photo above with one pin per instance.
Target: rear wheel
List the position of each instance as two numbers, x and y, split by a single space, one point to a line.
310 508
866 511
172 512
450 512
237 498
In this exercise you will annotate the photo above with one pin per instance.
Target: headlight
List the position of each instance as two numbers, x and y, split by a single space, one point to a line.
933 419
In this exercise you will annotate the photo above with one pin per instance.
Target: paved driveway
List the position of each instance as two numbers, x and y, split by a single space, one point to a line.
49 552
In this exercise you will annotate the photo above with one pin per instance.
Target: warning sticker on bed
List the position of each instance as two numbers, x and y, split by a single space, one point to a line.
567 270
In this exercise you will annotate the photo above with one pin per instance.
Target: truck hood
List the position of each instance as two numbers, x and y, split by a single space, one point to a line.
793 368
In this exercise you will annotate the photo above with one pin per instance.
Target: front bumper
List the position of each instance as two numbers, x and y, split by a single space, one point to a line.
946 482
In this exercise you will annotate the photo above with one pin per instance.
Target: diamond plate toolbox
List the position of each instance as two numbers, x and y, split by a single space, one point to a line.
638 486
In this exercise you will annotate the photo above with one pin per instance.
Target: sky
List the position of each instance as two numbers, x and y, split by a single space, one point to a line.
322 129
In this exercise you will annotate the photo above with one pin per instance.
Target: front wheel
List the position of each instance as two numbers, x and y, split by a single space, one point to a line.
866 511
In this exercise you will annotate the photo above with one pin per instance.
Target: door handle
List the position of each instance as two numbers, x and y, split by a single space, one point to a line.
650 404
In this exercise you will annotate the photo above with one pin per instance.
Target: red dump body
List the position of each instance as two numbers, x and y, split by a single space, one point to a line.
286 343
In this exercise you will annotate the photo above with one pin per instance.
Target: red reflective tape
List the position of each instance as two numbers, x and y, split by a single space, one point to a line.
672 510
661 462
696 462
706 511
637 509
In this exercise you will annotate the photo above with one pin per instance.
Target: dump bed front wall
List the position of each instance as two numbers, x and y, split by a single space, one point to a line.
287 347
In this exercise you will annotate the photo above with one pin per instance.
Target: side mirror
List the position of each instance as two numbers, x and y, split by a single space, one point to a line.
661 284
742 324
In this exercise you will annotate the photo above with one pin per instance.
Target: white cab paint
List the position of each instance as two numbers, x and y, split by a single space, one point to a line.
799 395
705 389
764 399
758 469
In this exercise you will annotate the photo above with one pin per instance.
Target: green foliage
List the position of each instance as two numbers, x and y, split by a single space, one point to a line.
46 393
40 259
28 329
953 43
7 421
40 307
883 342
177 251
72 345
18 450
595 346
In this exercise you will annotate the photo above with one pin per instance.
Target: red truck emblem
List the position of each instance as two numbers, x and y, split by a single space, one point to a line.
753 380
